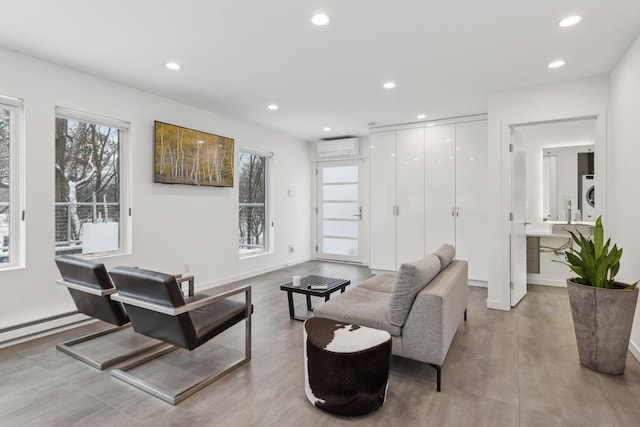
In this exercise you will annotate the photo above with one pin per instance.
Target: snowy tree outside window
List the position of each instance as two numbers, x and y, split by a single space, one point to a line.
5 195
253 209
11 182
87 186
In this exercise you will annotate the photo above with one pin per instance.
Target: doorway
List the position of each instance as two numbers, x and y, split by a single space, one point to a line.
548 162
339 211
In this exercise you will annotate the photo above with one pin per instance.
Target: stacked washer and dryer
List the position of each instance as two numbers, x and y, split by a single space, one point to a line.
588 198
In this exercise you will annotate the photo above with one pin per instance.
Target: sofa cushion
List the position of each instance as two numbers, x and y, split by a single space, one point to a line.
361 307
412 278
382 282
446 253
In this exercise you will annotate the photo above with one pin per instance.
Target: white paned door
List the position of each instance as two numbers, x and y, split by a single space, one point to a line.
340 228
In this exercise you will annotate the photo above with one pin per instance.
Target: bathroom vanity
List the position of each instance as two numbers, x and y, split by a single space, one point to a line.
546 243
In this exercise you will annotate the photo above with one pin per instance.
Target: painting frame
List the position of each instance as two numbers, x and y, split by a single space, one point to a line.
191 157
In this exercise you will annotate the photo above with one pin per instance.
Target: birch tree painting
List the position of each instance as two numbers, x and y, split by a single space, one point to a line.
187 156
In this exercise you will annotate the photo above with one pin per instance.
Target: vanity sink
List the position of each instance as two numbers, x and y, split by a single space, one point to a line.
560 228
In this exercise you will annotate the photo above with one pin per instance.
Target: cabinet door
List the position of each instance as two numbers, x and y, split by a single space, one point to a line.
440 151
471 197
382 236
410 195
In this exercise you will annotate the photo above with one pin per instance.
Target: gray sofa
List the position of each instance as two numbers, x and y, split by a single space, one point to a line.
421 306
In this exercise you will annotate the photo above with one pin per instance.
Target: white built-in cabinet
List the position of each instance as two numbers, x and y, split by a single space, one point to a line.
397 197
429 187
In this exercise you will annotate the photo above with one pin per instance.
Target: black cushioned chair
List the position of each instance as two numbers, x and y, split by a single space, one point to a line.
90 287
158 309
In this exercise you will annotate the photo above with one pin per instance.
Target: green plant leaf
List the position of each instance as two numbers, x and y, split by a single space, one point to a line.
631 286
594 261
598 237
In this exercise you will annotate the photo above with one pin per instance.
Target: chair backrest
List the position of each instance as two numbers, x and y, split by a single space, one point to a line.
156 288
92 275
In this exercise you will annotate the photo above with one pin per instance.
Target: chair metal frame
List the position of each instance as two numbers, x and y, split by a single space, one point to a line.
179 396
66 346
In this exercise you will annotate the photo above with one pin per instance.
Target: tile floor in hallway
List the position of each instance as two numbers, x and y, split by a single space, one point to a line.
516 368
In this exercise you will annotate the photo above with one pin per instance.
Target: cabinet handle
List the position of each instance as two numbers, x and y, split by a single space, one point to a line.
453 211
457 210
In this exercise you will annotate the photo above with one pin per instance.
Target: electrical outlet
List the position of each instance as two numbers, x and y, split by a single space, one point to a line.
186 267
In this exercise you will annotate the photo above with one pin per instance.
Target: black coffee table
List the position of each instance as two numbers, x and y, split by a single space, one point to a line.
305 288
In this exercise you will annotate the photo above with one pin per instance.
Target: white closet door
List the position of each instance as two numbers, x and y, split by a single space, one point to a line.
410 195
440 209
471 197
382 236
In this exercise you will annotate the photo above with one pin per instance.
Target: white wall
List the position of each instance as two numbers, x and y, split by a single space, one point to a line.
624 196
172 224
579 98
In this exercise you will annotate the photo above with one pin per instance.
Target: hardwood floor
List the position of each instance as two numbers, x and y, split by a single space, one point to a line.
503 369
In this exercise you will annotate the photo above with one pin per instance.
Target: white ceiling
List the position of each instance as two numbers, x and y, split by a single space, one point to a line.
239 56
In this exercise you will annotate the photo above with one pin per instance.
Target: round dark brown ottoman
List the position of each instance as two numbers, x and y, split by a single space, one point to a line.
346 366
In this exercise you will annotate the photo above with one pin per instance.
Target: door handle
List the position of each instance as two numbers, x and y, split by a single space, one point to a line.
526 223
359 214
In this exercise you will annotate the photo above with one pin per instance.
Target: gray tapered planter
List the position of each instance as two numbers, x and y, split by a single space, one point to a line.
602 320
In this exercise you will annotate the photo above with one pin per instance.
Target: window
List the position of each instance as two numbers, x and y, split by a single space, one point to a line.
89 183
11 183
253 172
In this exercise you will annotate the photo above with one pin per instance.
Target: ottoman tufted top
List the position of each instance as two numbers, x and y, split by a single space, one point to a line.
339 337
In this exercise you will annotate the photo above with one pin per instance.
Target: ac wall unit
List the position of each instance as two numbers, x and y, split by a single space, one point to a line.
338 147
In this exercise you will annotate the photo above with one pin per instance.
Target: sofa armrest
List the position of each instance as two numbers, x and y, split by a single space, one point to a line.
436 314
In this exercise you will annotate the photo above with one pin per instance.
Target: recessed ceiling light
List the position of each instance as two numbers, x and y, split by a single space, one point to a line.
570 21
389 85
556 64
422 116
272 107
326 129
430 124
173 66
320 19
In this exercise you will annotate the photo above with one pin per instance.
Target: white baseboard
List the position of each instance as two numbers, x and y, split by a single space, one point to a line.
498 305
230 279
478 283
633 348
37 330
546 282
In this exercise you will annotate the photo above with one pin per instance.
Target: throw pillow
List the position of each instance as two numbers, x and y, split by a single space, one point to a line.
446 253
411 279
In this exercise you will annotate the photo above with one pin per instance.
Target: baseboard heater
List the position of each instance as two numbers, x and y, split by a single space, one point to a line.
28 330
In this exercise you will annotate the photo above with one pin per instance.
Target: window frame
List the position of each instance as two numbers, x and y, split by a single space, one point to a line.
124 176
268 201
16 253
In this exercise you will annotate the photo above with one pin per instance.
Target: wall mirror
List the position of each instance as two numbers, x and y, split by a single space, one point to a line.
561 164
568 186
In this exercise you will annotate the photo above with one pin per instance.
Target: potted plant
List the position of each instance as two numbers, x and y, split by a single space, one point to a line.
602 308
